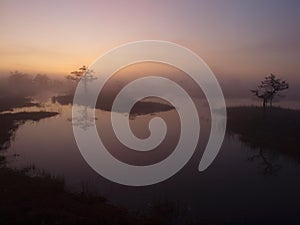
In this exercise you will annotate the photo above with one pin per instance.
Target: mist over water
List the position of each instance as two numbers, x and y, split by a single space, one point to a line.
235 88
237 181
47 46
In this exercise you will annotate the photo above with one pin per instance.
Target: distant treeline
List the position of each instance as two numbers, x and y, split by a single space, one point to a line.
22 84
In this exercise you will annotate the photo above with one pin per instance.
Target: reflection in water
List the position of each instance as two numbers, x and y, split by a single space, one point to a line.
85 120
274 129
10 122
269 167
231 188
147 106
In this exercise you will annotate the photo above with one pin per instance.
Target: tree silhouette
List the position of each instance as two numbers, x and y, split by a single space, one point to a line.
269 88
77 74
84 121
83 73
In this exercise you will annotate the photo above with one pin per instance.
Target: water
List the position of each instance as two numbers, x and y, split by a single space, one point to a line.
235 188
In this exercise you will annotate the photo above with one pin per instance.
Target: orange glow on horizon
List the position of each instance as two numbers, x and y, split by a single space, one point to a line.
57 38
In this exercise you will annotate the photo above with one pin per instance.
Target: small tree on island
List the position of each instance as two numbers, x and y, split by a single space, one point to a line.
269 88
83 73
77 74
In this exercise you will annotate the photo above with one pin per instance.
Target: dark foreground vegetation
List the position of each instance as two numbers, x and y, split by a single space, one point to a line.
30 197
276 129
44 200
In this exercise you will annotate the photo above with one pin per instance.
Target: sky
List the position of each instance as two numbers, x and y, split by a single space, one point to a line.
236 38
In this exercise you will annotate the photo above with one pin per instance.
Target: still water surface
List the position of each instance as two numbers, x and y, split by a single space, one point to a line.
235 188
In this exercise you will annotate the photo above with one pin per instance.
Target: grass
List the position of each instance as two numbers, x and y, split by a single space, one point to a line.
276 129
44 200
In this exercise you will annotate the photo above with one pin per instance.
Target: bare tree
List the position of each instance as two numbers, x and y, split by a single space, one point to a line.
269 88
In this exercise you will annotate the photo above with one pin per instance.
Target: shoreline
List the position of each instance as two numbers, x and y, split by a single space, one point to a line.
275 129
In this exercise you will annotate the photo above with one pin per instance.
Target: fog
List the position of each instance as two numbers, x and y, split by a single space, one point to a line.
21 89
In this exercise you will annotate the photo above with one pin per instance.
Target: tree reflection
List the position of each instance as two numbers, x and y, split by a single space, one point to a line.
84 75
269 167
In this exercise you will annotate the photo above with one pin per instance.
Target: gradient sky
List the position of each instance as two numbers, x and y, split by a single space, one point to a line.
236 38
